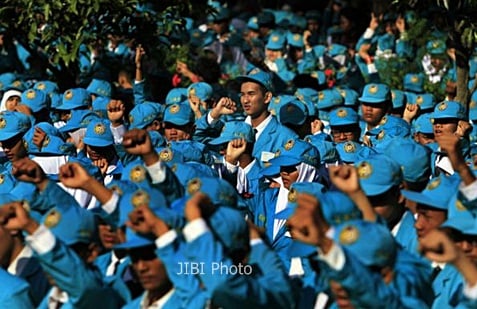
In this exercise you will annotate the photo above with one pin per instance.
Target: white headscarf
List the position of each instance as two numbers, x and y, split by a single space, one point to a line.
306 173
7 95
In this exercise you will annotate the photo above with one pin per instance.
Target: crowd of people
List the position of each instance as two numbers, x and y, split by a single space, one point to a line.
278 170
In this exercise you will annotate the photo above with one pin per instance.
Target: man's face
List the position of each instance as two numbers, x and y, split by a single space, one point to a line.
423 139
149 269
175 132
428 218
272 55
445 126
342 134
373 113
110 236
253 100
289 175
14 148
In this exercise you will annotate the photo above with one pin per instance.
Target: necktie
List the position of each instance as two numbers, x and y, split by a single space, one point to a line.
435 272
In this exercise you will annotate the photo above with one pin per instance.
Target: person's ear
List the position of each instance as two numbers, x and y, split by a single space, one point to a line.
268 97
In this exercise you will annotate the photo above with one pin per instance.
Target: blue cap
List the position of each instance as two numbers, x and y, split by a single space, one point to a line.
473 107
190 150
460 218
134 241
234 130
185 172
98 133
398 97
329 98
350 96
337 50
71 224
312 188
327 150
7 80
75 98
35 99
136 173
423 124
436 47
414 82
375 93
293 152
296 112
319 50
144 114
371 243
349 151
169 156
12 124
320 77
179 114
176 96
252 23
277 102
276 41
7 183
386 42
100 88
230 228
425 101
438 192
202 90
221 13
152 197
100 106
56 100
343 116
295 40
258 76
449 109
52 145
265 18
219 191
157 140
47 86
80 118
414 159
378 173
307 95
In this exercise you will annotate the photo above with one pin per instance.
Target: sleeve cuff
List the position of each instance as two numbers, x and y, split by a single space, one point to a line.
118 133
157 171
195 229
254 242
211 120
470 191
470 291
42 240
110 206
368 33
166 239
136 82
230 167
335 258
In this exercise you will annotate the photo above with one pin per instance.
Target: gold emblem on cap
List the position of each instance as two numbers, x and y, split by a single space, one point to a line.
349 147
41 86
2 178
321 95
193 186
30 94
3 123
140 198
174 168
349 235
131 119
137 174
174 109
419 100
52 218
393 94
442 106
292 195
166 155
17 83
46 141
373 89
342 92
435 44
341 113
364 170
383 120
296 37
275 38
289 144
99 129
254 71
472 104
68 94
414 79
277 100
459 206
380 135
434 183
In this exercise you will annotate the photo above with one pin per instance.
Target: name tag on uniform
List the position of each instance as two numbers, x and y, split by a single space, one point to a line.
266 156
